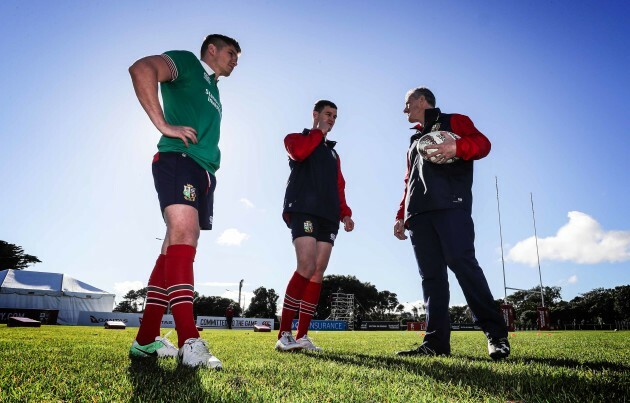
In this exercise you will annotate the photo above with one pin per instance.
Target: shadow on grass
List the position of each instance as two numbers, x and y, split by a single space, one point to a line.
554 362
152 383
560 385
564 363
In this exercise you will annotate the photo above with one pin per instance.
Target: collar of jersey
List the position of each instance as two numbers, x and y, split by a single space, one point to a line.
209 70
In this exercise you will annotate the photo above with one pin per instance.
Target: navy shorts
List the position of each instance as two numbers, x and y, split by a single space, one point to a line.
321 229
180 180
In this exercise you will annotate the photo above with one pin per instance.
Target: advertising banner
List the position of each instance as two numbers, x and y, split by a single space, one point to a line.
324 325
412 326
508 316
134 320
219 322
382 325
87 318
45 316
464 326
543 318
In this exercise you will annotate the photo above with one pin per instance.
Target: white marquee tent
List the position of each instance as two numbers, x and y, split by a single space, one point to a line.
39 290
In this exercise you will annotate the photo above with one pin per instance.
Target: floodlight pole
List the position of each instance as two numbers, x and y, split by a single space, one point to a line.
542 296
240 285
496 182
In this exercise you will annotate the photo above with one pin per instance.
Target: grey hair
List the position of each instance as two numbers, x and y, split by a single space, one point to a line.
422 92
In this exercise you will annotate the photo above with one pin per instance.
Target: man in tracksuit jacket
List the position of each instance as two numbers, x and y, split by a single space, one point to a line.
436 209
314 204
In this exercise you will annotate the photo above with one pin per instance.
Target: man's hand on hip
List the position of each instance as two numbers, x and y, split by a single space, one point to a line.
185 133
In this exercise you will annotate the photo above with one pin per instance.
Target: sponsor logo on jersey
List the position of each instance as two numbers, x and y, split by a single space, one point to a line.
436 127
308 227
213 101
190 193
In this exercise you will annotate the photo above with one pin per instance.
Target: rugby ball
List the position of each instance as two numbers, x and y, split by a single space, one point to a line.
425 142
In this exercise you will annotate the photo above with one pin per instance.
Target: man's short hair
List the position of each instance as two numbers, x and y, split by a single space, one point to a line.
422 92
219 41
321 104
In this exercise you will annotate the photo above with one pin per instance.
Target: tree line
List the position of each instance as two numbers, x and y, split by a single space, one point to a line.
598 306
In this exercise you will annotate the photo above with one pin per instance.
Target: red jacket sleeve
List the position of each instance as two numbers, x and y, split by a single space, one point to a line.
401 209
341 188
300 146
472 145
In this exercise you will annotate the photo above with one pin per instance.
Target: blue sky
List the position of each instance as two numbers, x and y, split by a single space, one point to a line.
546 81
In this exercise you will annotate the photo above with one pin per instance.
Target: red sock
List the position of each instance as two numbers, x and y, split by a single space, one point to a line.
156 303
308 307
292 299
180 287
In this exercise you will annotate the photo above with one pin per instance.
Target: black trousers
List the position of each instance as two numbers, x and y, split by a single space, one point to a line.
441 239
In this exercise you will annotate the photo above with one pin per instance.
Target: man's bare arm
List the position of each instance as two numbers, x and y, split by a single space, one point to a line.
146 73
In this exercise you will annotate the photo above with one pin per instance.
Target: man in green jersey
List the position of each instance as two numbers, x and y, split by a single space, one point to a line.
183 171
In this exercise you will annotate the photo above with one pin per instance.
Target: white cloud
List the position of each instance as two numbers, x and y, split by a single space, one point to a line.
120 289
409 306
572 280
582 240
246 203
232 237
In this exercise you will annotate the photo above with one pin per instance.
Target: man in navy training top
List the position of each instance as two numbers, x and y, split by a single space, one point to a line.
314 204
436 209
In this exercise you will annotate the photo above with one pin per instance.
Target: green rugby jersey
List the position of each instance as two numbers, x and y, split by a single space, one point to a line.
192 99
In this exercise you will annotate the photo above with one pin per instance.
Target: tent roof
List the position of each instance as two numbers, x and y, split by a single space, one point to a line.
42 283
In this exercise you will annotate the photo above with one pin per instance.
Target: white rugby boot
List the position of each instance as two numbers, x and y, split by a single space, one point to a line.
307 344
287 343
195 353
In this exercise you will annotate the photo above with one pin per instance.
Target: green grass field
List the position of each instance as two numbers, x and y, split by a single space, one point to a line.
60 363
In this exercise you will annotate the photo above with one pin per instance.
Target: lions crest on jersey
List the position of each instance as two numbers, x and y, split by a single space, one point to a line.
190 193
308 227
